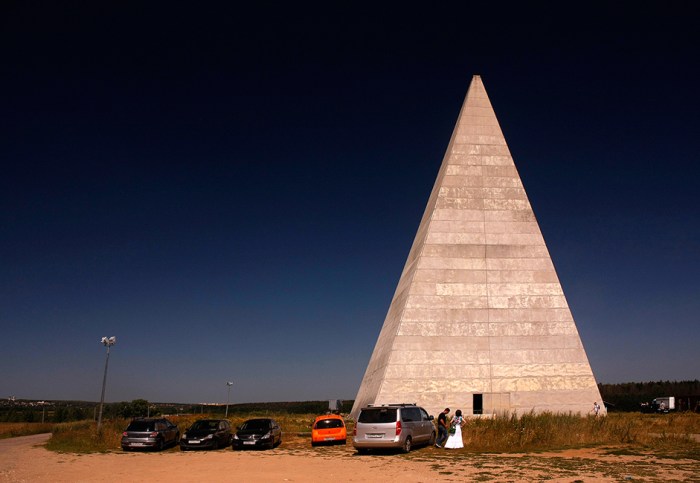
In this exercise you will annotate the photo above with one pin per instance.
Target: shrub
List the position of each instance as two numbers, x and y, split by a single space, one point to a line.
546 431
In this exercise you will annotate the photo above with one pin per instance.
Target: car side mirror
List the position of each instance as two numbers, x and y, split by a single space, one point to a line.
430 418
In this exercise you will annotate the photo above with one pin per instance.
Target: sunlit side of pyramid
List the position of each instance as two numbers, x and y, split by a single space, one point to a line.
479 321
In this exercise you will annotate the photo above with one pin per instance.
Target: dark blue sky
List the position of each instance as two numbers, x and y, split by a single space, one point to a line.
232 192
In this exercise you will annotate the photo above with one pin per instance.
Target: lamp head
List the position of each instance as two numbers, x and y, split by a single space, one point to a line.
108 341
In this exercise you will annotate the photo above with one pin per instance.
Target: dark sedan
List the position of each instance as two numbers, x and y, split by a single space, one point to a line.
258 433
207 434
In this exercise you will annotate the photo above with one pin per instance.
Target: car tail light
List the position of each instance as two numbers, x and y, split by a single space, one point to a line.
154 434
125 433
398 428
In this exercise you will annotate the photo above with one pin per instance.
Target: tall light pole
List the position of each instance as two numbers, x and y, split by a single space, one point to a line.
107 342
228 397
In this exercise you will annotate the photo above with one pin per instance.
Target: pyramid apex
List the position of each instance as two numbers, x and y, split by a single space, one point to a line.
476 83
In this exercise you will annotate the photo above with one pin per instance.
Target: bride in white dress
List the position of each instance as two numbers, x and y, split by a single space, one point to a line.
455 439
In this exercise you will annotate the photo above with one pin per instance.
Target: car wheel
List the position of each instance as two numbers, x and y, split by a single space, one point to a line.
432 439
161 444
215 444
406 445
362 450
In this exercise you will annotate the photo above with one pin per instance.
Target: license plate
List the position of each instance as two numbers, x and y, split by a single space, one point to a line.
137 444
375 435
328 439
248 442
194 441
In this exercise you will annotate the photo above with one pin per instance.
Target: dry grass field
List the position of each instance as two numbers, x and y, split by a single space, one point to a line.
11 430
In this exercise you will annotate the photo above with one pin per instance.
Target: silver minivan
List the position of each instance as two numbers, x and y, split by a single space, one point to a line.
393 426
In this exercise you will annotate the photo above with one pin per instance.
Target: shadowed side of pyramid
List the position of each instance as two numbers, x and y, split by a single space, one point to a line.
479 320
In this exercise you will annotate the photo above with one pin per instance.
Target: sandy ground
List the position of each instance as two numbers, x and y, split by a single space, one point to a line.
25 459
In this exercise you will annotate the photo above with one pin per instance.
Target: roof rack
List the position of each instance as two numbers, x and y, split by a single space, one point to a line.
390 404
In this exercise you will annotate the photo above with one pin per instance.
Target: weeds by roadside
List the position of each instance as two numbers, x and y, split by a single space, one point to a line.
11 430
546 431
82 436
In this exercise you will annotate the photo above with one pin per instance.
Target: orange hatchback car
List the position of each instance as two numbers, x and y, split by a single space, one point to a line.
328 429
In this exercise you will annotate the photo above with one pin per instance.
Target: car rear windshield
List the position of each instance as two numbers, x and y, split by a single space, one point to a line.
256 425
141 426
377 415
329 423
205 425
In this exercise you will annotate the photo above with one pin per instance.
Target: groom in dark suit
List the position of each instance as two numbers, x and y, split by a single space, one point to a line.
442 428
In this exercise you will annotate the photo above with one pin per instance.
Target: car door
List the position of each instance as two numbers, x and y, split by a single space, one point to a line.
223 433
419 432
162 429
411 422
276 431
171 432
427 424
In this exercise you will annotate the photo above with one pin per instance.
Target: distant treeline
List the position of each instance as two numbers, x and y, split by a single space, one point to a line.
303 407
64 411
617 397
49 413
628 396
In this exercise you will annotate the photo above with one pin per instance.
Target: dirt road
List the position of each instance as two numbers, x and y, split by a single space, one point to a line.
24 459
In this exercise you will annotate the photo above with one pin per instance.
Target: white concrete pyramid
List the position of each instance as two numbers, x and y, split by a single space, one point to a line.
479 321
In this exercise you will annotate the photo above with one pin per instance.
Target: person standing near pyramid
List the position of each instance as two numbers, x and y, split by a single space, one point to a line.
456 425
442 428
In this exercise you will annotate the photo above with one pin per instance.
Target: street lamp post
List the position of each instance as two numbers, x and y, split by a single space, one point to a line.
228 397
107 342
